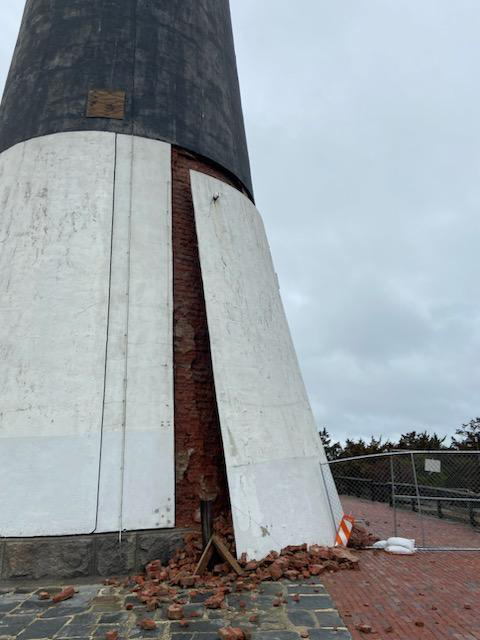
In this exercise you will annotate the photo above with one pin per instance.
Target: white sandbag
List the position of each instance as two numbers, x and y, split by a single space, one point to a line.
381 544
399 551
401 542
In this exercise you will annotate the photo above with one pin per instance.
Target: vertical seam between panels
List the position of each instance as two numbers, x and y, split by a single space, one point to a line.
108 327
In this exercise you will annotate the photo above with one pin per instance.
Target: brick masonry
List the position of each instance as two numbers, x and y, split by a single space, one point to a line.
200 464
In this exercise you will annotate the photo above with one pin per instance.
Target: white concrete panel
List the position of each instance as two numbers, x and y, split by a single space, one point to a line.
137 471
272 448
113 437
55 237
149 472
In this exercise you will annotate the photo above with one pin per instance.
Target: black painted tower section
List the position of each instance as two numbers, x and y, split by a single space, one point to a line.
174 59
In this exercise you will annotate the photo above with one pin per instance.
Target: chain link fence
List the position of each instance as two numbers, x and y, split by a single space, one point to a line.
432 496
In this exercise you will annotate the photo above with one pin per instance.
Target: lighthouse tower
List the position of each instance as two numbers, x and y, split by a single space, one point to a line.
146 361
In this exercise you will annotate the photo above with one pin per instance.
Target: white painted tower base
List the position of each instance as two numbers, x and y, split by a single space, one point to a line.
86 392
86 348
272 448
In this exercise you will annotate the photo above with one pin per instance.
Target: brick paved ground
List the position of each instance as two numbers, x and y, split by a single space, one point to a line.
96 609
438 533
435 589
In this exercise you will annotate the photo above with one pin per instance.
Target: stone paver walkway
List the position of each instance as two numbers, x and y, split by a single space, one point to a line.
96 609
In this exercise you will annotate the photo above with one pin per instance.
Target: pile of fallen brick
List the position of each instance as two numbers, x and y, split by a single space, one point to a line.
159 584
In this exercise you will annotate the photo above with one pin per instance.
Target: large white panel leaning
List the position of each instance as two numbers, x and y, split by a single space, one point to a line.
55 236
137 472
272 449
86 375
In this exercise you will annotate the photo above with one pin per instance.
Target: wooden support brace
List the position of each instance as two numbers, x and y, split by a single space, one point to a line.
216 543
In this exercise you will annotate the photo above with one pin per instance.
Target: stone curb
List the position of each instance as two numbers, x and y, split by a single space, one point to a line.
85 556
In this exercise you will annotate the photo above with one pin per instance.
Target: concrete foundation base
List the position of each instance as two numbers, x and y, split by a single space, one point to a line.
89 555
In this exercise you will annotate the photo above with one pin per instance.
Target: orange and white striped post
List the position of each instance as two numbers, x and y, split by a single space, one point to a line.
344 531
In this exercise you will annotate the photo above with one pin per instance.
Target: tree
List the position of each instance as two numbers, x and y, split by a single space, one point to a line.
469 436
413 441
332 451
362 448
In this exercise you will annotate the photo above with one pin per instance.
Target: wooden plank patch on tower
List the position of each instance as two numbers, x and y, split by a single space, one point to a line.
104 103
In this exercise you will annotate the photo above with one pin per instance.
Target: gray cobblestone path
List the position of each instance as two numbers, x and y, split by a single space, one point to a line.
96 609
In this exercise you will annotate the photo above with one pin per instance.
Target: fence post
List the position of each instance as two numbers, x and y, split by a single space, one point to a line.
419 502
439 509
472 514
394 502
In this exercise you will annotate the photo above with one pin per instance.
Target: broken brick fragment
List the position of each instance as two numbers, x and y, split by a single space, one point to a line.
175 612
111 635
293 549
316 569
360 538
276 571
344 555
215 601
66 594
364 628
148 624
187 581
153 567
292 574
271 557
322 553
231 633
44 595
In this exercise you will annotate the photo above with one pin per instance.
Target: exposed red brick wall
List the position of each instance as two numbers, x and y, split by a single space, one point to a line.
200 463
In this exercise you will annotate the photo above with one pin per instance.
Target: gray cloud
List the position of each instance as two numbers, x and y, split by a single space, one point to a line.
362 119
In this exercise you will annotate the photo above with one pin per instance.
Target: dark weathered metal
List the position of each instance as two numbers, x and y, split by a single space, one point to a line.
174 59
206 513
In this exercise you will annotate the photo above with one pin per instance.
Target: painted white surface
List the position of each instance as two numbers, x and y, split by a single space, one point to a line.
272 448
137 472
110 488
58 198
55 233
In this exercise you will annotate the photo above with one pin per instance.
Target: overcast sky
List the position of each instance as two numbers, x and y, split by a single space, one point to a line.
363 124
